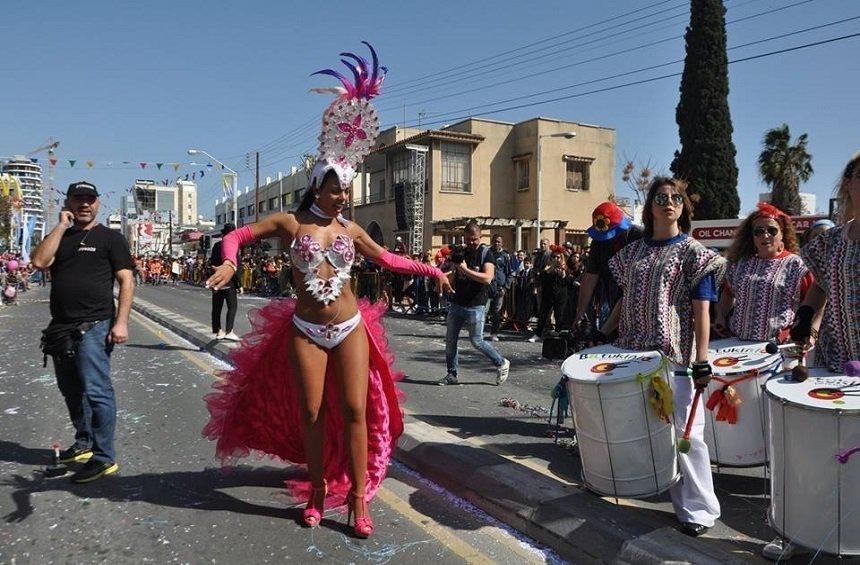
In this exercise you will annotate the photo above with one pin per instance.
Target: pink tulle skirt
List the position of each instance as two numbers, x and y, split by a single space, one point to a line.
256 407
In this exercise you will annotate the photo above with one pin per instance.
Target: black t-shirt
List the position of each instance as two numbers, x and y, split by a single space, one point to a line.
216 260
466 291
82 274
599 254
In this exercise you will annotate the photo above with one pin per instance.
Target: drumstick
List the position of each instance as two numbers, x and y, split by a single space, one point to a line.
773 348
684 443
800 373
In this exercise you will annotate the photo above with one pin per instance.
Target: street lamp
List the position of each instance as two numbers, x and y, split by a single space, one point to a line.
566 135
235 185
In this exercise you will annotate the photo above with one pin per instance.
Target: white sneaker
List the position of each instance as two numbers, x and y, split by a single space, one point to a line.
503 371
780 549
220 334
494 337
232 337
534 339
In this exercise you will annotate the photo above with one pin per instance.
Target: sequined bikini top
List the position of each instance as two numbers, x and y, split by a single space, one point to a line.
308 256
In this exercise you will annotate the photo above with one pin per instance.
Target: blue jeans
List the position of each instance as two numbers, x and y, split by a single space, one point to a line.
85 383
473 318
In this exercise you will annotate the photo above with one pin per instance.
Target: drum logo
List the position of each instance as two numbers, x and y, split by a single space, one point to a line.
607 367
728 361
835 392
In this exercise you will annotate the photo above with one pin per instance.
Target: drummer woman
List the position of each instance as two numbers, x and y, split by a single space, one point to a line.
833 300
765 280
834 259
668 280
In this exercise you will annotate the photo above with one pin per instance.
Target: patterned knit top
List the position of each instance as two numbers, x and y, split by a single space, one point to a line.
659 282
835 261
767 294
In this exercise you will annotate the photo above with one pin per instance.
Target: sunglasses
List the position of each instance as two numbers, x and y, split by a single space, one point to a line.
770 230
661 199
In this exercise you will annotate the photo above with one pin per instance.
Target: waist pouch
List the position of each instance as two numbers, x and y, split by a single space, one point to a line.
60 341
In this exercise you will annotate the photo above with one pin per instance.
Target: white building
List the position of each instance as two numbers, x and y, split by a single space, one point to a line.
155 212
30 176
807 202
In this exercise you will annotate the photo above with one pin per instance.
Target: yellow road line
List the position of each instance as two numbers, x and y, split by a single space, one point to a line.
157 330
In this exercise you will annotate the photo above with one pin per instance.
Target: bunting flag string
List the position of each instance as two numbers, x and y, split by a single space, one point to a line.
96 164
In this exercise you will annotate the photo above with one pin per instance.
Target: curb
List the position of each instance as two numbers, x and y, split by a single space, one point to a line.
577 524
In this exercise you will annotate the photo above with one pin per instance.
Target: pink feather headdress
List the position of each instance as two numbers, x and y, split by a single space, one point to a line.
350 125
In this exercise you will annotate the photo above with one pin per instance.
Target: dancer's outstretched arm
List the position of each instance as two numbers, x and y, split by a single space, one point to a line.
396 263
283 225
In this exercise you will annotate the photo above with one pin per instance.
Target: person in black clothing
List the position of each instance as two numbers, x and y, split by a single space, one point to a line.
501 284
226 293
555 281
85 258
472 271
611 230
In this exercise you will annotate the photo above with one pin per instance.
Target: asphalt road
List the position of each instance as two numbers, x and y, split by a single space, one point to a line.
170 502
474 410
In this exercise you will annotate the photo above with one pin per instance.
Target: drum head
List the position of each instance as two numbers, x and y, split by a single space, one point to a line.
734 356
823 390
607 363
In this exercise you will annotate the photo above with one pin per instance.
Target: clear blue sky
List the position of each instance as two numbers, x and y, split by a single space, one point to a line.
143 81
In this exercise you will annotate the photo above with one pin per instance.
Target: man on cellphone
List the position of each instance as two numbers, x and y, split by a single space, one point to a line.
85 258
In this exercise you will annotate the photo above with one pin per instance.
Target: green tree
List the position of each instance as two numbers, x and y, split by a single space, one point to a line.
784 167
707 156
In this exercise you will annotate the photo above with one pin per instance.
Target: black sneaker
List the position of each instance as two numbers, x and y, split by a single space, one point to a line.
94 470
76 454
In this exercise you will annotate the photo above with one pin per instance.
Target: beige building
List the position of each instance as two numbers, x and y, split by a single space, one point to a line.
477 168
488 170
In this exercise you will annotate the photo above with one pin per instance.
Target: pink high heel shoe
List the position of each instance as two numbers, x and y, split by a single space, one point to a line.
363 526
313 513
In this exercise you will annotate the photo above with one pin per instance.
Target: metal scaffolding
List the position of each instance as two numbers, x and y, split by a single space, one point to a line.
415 196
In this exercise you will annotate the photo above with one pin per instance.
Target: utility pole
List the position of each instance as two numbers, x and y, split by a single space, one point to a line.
170 232
257 190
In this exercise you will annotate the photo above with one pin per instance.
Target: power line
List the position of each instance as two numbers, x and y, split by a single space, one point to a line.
585 61
510 51
649 80
648 68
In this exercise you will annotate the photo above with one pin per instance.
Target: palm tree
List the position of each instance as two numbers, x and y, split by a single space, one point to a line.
785 167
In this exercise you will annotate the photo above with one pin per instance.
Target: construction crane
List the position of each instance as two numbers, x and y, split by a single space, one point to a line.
48 188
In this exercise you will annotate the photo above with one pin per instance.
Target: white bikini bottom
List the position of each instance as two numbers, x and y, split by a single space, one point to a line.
327 336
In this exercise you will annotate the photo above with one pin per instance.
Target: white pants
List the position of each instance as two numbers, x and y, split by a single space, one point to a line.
693 496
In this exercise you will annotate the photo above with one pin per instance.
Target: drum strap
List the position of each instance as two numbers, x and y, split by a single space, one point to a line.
725 401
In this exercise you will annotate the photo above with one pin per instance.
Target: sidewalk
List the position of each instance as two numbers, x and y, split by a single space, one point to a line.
518 490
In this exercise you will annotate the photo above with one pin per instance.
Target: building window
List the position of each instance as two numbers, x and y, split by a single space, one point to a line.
251 210
522 167
241 213
261 206
287 199
399 170
273 203
456 167
379 193
578 173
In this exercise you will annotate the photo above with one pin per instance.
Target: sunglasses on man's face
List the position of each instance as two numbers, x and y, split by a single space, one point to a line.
661 199
770 230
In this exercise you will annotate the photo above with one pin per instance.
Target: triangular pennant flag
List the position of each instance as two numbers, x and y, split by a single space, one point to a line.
159 165
109 163
53 162
90 164
143 165
186 176
202 174
221 166
34 160
72 162
209 165
193 176
175 166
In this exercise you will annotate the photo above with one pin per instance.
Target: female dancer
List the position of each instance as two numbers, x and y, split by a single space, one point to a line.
765 281
313 382
668 279
833 300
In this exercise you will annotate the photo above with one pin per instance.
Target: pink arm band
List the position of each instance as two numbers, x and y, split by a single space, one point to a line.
405 266
233 241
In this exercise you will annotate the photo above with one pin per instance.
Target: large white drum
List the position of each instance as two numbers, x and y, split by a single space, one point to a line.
814 445
736 425
626 448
